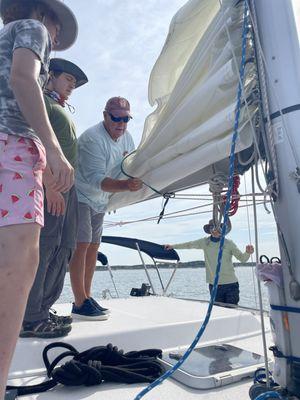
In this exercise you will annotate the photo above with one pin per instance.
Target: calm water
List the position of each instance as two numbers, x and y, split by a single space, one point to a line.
188 282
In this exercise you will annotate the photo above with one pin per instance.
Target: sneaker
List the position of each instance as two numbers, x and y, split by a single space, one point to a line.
88 311
60 319
45 329
97 305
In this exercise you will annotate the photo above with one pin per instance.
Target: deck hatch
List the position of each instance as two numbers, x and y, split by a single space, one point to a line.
215 365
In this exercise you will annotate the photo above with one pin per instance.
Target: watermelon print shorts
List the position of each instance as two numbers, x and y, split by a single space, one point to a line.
22 161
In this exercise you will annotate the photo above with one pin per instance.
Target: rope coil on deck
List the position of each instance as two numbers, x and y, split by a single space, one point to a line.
95 366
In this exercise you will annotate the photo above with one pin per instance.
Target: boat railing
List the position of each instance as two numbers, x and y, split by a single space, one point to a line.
159 255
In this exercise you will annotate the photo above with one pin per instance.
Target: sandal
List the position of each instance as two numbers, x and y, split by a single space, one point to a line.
44 329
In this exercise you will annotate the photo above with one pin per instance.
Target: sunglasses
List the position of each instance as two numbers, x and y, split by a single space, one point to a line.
119 119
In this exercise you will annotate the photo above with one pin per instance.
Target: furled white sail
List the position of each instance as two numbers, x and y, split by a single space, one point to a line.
193 85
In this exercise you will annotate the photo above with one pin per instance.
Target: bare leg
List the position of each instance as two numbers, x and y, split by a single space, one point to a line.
90 265
18 263
77 269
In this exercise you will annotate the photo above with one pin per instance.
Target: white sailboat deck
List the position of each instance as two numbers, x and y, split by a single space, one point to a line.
140 323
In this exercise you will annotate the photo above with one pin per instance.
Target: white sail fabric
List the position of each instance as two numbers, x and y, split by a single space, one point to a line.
194 85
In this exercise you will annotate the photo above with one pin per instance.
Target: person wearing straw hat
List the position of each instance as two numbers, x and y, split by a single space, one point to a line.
228 286
58 237
31 30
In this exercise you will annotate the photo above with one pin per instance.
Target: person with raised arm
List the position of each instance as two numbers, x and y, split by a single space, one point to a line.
228 286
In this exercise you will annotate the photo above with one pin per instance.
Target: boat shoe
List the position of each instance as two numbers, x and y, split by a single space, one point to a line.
45 329
96 304
88 311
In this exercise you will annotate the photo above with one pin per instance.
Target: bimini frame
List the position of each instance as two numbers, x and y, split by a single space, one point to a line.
156 252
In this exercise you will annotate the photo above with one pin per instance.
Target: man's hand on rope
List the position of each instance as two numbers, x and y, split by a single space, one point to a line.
134 184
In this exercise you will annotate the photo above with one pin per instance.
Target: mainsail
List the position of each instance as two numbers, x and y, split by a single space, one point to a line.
193 85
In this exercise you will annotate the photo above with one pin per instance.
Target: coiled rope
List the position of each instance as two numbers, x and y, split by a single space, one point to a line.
95 366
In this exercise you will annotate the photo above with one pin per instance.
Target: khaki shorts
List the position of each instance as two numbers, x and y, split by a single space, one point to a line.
90 224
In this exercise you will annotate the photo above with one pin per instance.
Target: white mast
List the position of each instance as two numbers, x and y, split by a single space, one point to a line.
280 47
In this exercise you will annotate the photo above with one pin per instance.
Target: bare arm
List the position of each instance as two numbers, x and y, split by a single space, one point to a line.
55 201
118 185
24 82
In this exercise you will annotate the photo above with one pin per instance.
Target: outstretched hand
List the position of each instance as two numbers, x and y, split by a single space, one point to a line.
249 249
168 247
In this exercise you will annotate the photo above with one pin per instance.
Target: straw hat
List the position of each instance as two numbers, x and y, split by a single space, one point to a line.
210 226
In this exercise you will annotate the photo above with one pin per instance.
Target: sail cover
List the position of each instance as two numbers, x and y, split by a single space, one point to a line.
193 85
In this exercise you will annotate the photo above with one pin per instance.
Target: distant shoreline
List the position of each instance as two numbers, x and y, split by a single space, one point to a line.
191 264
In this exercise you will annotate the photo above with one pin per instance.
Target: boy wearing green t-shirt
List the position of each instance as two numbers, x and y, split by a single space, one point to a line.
58 237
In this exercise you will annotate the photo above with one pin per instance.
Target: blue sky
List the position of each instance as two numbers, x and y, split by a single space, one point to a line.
117 46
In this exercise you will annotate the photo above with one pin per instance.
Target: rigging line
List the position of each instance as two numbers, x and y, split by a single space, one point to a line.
243 92
271 79
267 129
265 192
250 239
204 212
209 195
170 214
259 284
150 219
263 93
168 373
220 202
257 178
249 117
167 195
184 210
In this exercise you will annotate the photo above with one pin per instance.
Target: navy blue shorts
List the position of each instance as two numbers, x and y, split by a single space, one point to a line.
228 293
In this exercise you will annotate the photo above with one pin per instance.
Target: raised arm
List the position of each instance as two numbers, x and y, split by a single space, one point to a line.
195 244
242 257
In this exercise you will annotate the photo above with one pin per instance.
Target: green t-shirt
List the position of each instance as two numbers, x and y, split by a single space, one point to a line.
211 250
64 129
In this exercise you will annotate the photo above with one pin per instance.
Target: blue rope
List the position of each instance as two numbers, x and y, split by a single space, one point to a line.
269 395
227 206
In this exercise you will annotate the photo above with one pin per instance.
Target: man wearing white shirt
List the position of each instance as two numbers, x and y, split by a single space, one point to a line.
101 150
